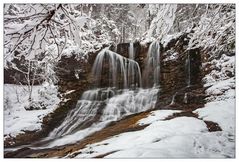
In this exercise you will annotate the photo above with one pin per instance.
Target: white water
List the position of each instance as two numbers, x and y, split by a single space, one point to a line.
152 70
118 104
131 51
130 102
118 67
188 67
116 48
100 106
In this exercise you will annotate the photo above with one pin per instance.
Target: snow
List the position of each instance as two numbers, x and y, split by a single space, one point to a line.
171 56
147 40
220 107
221 112
207 145
156 116
168 37
69 92
182 137
150 139
16 118
163 20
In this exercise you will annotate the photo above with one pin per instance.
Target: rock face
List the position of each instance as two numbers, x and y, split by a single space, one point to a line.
139 50
180 75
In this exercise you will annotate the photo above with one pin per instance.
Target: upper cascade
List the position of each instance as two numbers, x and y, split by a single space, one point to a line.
188 69
131 51
152 67
118 69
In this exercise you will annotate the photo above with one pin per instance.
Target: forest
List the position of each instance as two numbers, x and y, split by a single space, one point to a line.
119 80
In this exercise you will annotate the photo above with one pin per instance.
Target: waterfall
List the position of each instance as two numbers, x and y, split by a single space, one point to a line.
84 112
112 104
188 69
131 51
110 101
152 71
116 48
118 67
130 102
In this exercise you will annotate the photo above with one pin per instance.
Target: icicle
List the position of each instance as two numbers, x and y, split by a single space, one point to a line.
185 99
173 99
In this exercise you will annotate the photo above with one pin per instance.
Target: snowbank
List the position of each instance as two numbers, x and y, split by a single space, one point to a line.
152 140
16 118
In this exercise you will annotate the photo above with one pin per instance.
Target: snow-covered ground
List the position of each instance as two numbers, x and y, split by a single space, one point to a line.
16 118
182 137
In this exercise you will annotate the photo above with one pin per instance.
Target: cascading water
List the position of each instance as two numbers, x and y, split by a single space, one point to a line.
116 48
152 70
118 67
188 69
132 56
99 107
119 96
85 112
131 51
129 102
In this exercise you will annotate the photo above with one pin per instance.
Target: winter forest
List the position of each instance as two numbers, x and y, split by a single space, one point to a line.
119 80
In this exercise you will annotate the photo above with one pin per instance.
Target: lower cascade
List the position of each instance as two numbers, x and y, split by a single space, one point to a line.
112 104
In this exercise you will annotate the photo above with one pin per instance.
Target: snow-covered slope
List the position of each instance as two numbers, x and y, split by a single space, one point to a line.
182 137
16 118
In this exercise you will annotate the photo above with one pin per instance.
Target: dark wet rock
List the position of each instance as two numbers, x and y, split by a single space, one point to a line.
187 113
212 126
19 153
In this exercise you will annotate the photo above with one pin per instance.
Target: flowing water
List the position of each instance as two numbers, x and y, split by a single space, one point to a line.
152 70
131 51
120 69
99 107
188 69
118 92
114 97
